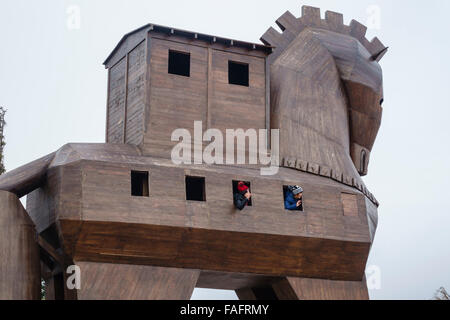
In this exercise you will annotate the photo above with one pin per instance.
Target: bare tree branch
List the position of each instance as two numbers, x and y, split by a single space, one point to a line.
441 294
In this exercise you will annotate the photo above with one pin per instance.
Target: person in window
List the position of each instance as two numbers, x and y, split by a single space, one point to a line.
294 198
242 196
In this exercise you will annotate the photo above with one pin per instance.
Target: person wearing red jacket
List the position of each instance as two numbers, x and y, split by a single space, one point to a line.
242 196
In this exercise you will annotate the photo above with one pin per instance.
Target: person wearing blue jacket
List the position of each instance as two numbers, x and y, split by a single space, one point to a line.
293 198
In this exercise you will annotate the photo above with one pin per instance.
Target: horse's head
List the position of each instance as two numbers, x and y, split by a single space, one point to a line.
326 90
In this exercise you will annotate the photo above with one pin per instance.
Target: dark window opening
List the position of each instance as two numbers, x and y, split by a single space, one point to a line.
235 189
195 189
179 63
238 73
139 184
363 161
286 189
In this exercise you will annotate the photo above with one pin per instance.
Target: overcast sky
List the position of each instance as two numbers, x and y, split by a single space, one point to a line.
54 86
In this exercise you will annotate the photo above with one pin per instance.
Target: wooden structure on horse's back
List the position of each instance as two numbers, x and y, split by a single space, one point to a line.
124 212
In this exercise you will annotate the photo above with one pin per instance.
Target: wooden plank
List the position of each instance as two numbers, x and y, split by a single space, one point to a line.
268 125
148 85
127 44
209 90
125 98
20 274
232 281
26 178
349 202
135 104
50 250
108 89
221 251
216 45
318 289
116 105
246 294
105 281
175 101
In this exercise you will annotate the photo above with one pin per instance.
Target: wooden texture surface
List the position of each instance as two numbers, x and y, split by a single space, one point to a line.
326 90
232 280
221 250
126 98
135 104
116 104
305 289
350 204
146 103
131 39
103 281
106 183
19 253
126 45
99 220
27 178
176 101
318 289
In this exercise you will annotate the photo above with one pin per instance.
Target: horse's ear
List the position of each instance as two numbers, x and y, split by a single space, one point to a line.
377 57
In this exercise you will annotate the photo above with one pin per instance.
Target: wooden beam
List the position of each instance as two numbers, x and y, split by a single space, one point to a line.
107 105
107 281
126 98
267 106
209 93
27 178
47 247
318 289
20 274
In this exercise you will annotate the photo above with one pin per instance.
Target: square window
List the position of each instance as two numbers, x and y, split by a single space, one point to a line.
195 189
238 73
235 189
179 63
139 184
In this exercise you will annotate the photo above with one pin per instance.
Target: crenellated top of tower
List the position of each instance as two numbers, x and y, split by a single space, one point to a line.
334 22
